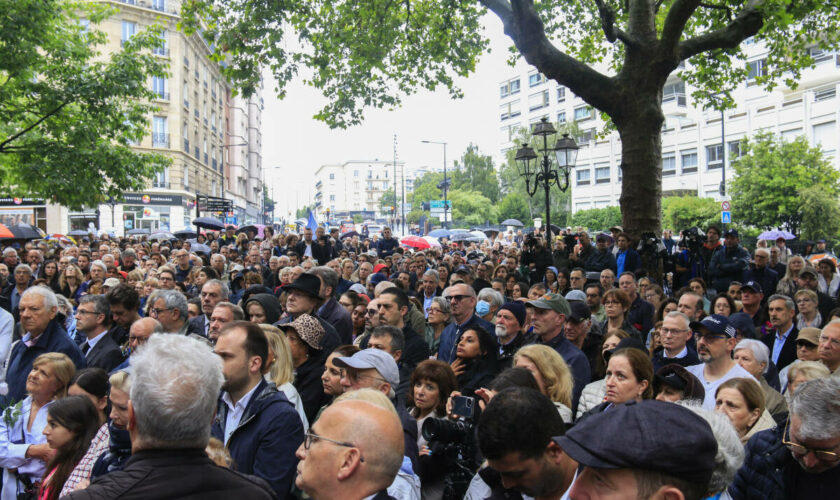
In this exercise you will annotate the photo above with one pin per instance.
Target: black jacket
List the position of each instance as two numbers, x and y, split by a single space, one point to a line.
118 453
309 386
175 474
321 253
788 354
106 354
339 318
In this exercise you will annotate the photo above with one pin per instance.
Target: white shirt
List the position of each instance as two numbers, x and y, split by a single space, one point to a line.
711 387
681 354
92 342
15 440
307 252
235 411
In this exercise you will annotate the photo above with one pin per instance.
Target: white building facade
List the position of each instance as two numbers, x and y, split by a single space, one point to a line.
356 187
692 145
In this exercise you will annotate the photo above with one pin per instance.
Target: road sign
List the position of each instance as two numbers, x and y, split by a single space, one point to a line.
433 204
725 206
726 217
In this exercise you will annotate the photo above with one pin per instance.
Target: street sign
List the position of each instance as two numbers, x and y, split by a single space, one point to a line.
433 204
725 206
726 217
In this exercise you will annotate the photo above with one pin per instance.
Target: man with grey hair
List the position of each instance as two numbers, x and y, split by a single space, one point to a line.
98 271
462 301
491 300
674 336
93 316
219 264
761 272
42 334
10 257
212 292
430 280
781 340
801 458
331 310
169 424
170 308
10 297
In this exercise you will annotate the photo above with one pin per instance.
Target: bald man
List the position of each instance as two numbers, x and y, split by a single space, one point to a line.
355 447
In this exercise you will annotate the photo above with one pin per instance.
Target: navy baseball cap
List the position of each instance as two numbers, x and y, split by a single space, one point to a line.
624 438
731 232
754 286
715 323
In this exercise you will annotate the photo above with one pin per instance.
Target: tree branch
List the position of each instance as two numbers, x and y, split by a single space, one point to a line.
745 25
526 29
32 126
612 33
675 21
718 7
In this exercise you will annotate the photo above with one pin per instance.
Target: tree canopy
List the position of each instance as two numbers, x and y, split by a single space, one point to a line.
770 177
684 212
69 115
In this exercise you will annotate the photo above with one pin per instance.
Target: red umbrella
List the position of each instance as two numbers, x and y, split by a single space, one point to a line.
5 233
415 242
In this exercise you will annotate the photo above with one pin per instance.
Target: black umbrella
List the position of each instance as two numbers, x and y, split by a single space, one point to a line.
348 234
490 232
512 222
209 223
186 233
137 232
25 232
245 229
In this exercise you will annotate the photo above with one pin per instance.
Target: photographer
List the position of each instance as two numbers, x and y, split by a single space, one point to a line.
689 262
536 257
561 252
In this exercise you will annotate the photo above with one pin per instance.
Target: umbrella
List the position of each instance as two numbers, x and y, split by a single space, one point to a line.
775 235
137 232
512 222
432 241
209 223
490 232
162 235
479 235
199 247
60 238
348 234
186 233
25 232
256 228
815 258
4 232
440 233
453 231
77 232
415 242
462 236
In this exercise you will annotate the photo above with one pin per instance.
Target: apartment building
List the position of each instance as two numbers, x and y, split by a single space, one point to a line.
356 186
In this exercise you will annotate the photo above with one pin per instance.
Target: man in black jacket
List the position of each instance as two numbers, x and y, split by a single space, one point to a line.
92 319
331 310
169 425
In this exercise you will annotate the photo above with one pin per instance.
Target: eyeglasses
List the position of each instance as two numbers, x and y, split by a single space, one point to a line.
311 437
139 340
354 375
799 451
708 338
371 312
670 331
156 311
453 298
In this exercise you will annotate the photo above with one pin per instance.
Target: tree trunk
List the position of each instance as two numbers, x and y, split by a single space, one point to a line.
641 186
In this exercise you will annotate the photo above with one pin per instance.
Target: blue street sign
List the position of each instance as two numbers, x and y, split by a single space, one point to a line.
726 217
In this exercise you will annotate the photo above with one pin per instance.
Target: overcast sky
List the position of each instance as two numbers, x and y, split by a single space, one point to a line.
295 144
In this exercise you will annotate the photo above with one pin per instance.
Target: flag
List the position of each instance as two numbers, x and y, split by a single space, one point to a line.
312 224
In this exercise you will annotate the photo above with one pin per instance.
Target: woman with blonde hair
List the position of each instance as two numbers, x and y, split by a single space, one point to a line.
70 281
551 373
808 315
279 369
787 285
24 451
742 400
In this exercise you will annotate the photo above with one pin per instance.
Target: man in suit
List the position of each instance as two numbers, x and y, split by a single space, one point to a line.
93 317
781 340
213 292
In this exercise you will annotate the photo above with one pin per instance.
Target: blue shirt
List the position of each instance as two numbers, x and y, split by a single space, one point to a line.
778 344
619 262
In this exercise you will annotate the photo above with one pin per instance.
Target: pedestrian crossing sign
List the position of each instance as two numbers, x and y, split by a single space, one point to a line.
726 217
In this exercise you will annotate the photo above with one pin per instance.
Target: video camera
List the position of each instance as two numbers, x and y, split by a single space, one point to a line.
651 245
693 239
457 445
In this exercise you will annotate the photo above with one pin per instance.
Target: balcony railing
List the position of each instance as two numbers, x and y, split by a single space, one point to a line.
162 96
679 98
160 184
161 51
160 140
187 146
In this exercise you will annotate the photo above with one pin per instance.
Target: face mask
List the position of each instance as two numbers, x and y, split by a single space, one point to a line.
482 307
501 330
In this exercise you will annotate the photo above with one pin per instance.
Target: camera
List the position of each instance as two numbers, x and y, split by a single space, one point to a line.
455 443
693 239
570 240
531 240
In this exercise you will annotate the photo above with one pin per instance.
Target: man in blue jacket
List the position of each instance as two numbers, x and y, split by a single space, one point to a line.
626 259
255 421
387 244
38 308
728 263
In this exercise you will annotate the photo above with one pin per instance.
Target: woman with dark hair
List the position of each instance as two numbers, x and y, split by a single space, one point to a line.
71 425
520 289
629 377
49 273
666 306
443 274
550 279
93 384
616 306
563 282
723 304
476 360
510 282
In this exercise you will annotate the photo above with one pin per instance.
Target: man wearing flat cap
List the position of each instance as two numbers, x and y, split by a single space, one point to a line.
624 456
304 297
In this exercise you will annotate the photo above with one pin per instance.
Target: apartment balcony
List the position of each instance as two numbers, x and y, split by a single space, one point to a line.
160 140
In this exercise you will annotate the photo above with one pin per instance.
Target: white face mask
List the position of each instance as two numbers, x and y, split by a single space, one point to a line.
501 330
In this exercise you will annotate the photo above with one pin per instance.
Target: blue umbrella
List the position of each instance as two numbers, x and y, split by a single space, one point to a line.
775 235
440 233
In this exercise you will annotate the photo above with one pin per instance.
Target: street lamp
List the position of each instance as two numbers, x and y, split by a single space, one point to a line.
445 185
565 154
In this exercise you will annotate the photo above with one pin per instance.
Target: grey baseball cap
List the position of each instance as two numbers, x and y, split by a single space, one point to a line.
377 359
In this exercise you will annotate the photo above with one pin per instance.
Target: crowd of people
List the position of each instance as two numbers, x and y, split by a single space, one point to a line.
279 366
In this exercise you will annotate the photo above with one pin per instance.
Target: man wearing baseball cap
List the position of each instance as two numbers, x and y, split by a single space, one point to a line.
582 333
728 263
752 298
621 452
376 369
715 342
549 319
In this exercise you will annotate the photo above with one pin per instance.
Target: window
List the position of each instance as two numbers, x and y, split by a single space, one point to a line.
507 133
205 151
669 165
159 5
714 156
186 177
161 179
163 48
561 94
688 160
160 135
756 69
582 176
583 113
186 95
538 100
602 173
355 173
733 149
674 92
585 137
186 138
129 29
332 177
561 117
824 136
535 79
510 110
825 94
332 197
159 87
820 55
514 86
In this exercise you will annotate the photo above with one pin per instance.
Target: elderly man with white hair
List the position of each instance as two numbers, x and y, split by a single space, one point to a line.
754 356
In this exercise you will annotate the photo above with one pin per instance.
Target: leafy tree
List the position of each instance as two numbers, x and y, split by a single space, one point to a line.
472 208
68 115
683 212
476 172
768 179
303 212
597 218
373 52
820 213
388 201
513 206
